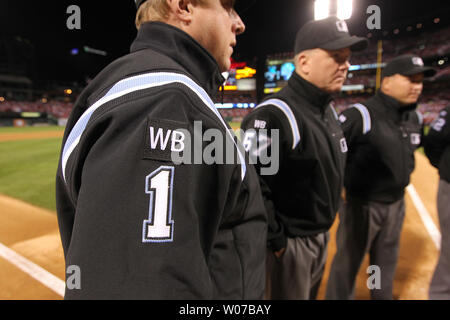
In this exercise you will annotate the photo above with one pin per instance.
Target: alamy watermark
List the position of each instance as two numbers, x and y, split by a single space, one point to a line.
74 20
374 280
215 146
374 21
73 277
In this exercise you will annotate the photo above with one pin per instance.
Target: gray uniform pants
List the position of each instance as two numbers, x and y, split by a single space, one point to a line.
366 227
440 283
297 274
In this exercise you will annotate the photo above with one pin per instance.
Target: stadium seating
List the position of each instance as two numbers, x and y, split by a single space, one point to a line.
54 108
427 45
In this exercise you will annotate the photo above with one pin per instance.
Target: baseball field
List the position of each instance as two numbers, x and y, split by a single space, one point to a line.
31 258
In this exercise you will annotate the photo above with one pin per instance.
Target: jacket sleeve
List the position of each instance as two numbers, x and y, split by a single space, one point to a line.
352 125
144 224
438 138
264 139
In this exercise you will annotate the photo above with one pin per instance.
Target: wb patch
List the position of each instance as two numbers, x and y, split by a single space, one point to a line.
163 138
260 124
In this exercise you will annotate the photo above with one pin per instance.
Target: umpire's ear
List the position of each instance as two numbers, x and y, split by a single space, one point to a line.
182 10
302 62
385 84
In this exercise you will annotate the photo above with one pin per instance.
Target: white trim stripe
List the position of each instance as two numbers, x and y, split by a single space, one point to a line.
334 111
283 106
133 84
433 231
419 117
367 122
33 270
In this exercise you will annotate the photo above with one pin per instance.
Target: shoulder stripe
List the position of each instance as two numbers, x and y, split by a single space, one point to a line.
283 106
136 83
419 117
367 122
334 112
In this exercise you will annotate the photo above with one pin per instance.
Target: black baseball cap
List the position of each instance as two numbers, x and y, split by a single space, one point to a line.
139 2
329 34
240 5
407 65
243 5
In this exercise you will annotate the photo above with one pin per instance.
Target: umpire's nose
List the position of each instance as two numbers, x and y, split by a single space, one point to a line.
238 24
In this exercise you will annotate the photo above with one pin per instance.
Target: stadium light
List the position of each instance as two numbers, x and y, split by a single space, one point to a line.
321 9
344 9
341 8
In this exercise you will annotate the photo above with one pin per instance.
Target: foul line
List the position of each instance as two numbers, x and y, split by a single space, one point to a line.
433 231
43 276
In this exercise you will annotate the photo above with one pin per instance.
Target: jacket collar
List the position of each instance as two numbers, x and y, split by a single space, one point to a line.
182 48
393 107
315 96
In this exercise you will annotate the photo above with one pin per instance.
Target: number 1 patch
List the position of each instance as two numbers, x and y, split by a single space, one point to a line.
159 226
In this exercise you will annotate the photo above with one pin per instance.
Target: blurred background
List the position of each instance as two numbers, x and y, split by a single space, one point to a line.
44 65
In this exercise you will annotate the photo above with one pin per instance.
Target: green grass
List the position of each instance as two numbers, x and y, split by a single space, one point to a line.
28 170
235 125
30 129
425 132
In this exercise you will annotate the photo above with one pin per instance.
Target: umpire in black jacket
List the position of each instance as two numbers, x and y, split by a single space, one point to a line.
437 149
382 135
304 195
138 223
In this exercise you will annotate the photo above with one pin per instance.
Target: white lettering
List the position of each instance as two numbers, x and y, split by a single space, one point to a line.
159 137
177 141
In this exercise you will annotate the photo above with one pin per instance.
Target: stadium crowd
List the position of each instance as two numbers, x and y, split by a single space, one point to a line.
426 44
57 109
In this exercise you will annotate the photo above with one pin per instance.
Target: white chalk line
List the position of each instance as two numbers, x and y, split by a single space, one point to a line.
38 273
433 231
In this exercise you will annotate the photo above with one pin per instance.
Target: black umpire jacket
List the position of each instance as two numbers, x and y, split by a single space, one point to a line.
137 224
437 144
303 197
382 136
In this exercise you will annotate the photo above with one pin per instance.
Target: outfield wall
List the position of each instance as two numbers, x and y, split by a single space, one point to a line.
22 119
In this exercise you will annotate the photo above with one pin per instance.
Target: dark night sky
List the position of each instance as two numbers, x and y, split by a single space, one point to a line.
109 25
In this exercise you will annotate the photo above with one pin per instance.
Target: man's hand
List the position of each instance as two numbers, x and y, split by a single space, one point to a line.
279 253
